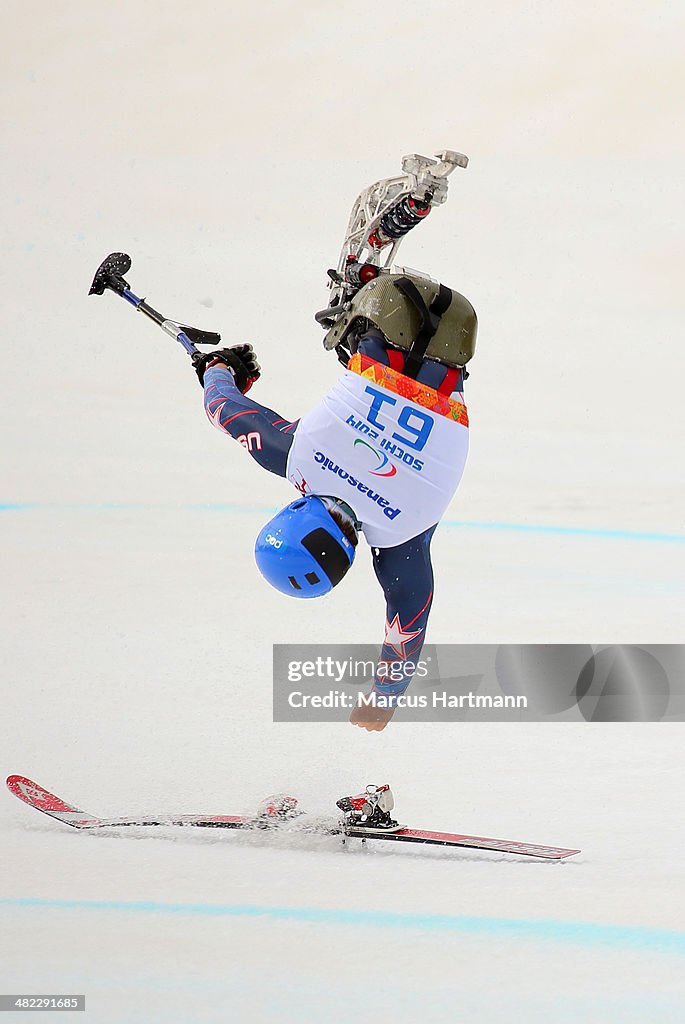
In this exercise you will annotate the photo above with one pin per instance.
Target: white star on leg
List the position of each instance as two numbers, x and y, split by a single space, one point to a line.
215 417
396 637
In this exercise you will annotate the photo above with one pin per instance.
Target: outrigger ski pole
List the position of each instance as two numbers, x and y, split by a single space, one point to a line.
110 274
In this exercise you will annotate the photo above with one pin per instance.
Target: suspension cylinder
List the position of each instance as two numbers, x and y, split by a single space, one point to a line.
398 220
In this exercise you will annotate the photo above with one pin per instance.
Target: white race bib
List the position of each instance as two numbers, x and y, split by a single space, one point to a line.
396 462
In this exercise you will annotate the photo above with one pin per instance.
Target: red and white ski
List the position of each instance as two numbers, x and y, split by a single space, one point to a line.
42 800
35 796
416 835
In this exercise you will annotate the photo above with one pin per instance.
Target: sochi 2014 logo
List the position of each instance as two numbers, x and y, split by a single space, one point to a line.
386 450
384 467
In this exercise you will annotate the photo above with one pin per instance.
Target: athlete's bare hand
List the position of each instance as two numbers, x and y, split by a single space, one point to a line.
370 718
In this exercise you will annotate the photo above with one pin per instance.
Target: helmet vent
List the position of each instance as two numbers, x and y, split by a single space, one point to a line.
312 578
294 584
329 554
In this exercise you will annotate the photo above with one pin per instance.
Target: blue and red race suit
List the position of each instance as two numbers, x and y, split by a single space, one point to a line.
403 570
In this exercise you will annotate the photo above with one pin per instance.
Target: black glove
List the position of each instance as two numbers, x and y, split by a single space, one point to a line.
240 359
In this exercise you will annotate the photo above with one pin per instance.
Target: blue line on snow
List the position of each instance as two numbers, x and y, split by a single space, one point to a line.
570 531
589 532
584 933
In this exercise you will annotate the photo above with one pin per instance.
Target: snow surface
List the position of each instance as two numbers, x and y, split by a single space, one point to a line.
222 146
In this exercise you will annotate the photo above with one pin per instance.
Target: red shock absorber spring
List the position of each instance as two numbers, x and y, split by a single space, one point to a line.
398 220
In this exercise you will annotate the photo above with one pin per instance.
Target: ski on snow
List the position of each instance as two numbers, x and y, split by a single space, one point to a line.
273 818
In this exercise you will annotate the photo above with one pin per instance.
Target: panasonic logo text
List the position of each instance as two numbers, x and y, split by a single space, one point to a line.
368 492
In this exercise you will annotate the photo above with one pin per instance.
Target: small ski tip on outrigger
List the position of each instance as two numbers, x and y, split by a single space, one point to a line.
110 275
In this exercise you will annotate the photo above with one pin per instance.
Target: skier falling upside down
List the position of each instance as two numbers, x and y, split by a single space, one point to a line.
384 450
382 453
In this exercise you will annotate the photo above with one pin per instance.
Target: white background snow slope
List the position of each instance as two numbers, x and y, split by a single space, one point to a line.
222 145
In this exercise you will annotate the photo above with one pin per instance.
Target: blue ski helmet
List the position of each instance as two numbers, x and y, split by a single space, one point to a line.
302 551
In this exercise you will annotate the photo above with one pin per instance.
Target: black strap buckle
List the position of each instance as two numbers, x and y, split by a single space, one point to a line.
430 317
